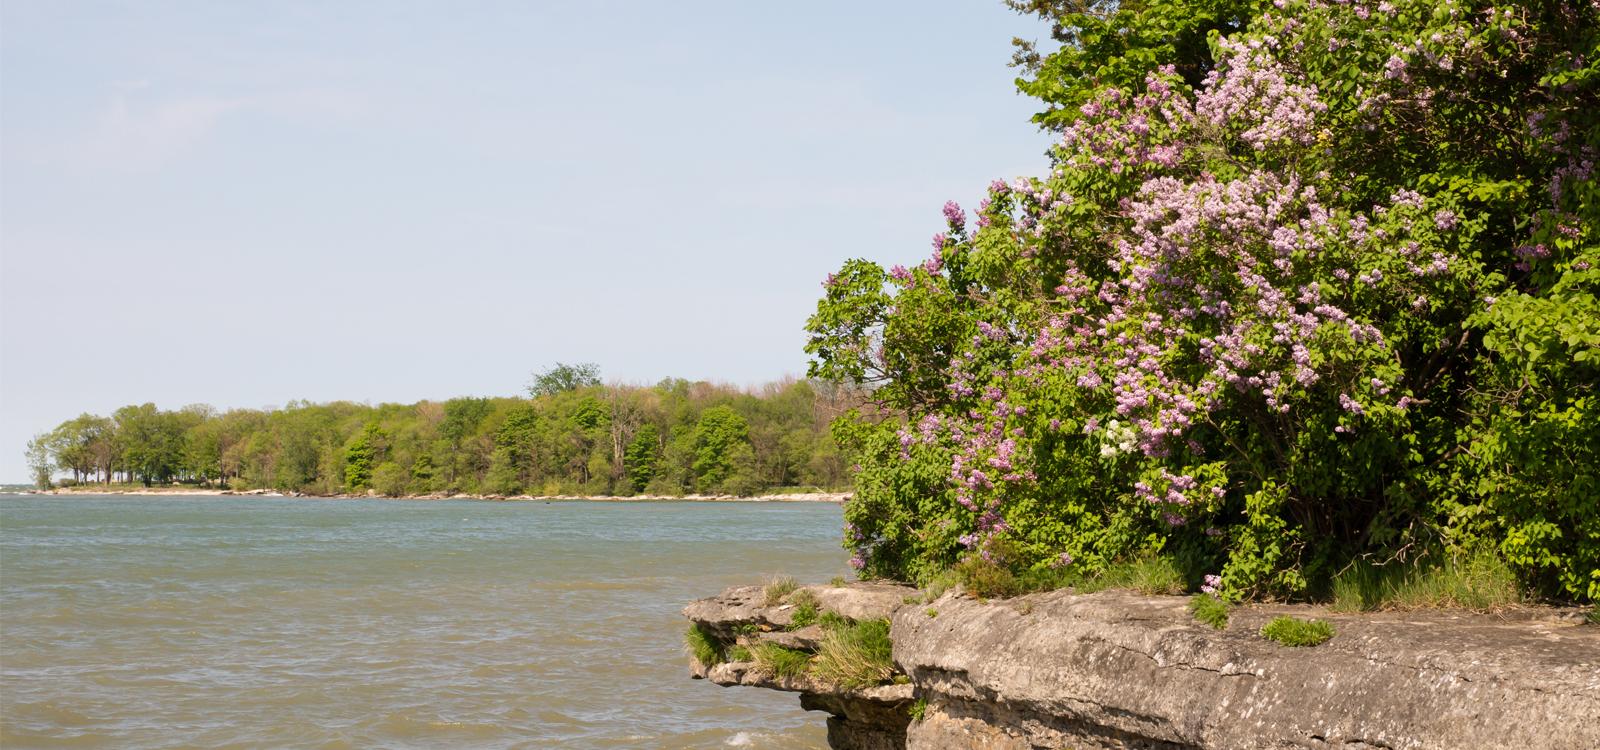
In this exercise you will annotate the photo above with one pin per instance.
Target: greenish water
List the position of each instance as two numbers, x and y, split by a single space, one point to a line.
144 622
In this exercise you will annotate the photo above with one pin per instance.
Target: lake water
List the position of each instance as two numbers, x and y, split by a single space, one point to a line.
145 622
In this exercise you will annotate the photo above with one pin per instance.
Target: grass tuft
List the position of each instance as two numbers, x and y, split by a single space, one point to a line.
1594 615
703 645
857 655
1478 580
936 585
918 709
777 589
738 653
1292 632
780 661
991 578
837 582
805 611
833 621
1209 610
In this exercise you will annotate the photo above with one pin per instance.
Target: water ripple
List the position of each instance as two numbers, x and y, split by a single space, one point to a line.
161 622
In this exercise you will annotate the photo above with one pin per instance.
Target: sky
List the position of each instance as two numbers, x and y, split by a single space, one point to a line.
243 204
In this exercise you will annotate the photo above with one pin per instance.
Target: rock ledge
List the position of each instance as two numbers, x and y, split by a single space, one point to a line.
1120 670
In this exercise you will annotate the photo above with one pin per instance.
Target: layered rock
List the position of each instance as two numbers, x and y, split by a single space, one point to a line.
869 718
1120 670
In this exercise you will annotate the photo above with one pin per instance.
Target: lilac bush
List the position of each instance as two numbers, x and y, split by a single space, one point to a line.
1263 319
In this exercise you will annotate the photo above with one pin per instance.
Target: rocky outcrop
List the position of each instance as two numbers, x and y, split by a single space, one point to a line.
870 718
1120 670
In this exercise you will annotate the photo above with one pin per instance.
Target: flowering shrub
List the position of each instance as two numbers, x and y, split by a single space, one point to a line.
1333 296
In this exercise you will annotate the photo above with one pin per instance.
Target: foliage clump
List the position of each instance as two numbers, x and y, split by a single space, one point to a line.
777 590
855 654
779 661
1479 580
997 573
1209 610
703 645
806 609
1304 282
1294 632
918 709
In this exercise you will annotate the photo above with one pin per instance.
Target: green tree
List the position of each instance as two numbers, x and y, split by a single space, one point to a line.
41 462
642 455
718 433
563 377
362 456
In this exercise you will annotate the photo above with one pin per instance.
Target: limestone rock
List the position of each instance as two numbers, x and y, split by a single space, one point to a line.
1119 670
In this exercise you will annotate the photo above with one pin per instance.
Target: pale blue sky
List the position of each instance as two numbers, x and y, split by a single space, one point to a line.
243 203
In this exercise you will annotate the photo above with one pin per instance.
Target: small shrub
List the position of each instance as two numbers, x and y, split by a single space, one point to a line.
918 709
936 585
987 578
777 589
856 656
703 645
780 661
991 577
1152 576
1292 632
931 612
1209 610
738 653
805 613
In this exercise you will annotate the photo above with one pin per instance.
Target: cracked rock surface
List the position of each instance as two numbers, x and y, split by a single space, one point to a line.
1120 670
1117 669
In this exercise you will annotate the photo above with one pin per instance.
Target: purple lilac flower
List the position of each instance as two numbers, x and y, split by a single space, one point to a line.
955 216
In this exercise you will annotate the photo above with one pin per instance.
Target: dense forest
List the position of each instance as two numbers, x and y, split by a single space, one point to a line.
572 435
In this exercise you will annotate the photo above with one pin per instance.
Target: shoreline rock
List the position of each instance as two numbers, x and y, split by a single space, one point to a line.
1116 669
870 718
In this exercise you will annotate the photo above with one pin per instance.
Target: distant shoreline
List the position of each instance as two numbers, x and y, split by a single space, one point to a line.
798 497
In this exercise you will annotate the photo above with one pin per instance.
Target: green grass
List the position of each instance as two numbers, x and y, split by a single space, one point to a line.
830 620
1477 580
703 646
1209 610
1594 615
738 653
806 609
838 582
1292 632
918 709
936 585
777 589
857 655
993 580
780 661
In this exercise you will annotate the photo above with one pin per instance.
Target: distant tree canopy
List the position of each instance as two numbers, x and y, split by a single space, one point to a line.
575 437
563 377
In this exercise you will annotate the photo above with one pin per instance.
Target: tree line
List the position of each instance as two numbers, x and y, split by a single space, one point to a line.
572 435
